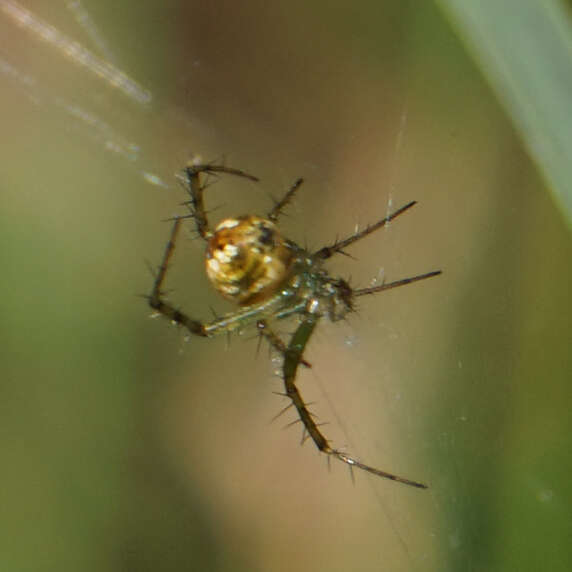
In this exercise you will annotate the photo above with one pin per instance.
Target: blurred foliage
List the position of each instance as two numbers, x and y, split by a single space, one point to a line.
524 49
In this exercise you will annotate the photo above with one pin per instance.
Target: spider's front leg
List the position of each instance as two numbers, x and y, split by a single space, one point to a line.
155 298
292 359
275 341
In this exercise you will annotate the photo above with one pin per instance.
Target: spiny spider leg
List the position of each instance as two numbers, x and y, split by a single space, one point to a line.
277 209
155 300
292 358
328 251
275 341
196 190
395 284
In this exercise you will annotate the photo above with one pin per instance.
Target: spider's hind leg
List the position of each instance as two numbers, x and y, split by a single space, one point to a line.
196 189
156 300
279 205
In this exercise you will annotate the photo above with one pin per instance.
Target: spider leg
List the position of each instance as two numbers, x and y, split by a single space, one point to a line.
275 341
155 298
277 208
338 246
292 359
395 284
196 190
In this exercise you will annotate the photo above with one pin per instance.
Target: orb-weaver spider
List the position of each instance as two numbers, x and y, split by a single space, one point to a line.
271 278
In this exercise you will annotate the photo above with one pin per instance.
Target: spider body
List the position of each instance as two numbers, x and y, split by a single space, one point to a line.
270 278
247 260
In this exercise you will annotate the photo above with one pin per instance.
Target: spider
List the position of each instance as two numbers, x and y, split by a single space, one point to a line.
271 278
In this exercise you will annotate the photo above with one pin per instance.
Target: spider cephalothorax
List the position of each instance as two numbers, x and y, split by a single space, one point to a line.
271 278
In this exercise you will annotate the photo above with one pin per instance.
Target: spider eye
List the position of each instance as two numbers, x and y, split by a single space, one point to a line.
247 260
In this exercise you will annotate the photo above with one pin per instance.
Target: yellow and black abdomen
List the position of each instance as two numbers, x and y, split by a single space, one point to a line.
247 259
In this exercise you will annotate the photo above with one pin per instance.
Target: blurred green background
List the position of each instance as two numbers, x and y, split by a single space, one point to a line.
125 447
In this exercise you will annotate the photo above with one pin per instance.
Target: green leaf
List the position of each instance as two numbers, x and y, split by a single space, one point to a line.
524 48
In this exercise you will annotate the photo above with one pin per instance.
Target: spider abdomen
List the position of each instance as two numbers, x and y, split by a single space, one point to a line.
247 259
